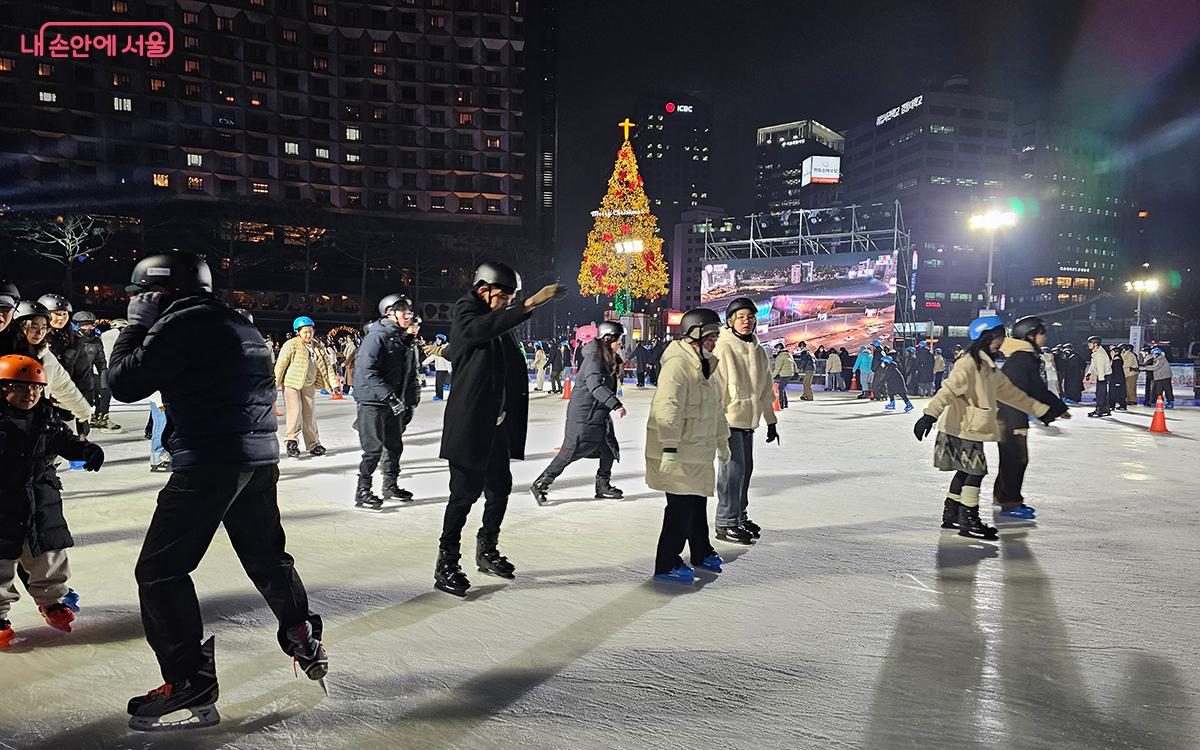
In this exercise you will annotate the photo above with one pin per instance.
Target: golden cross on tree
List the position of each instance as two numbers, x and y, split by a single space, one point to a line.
627 125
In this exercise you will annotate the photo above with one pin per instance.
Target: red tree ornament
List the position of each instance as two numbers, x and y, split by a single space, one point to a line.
608 236
626 229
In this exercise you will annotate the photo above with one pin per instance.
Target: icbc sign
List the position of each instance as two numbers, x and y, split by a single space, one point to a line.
672 108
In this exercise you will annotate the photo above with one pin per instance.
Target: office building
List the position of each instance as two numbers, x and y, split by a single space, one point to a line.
672 142
786 180
687 253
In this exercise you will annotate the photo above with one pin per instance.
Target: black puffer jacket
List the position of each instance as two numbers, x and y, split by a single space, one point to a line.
76 359
93 353
216 380
589 419
385 366
1023 366
30 491
924 365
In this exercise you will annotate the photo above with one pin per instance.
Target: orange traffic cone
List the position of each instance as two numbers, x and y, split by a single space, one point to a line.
776 406
567 389
1159 423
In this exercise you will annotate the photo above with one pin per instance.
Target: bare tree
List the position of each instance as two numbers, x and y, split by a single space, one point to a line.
366 242
65 239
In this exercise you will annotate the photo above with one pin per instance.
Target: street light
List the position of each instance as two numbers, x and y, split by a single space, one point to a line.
1140 287
991 222
629 247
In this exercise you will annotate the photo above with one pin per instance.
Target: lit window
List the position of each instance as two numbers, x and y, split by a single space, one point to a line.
378 69
260 188
353 134
195 183
492 141
438 203
466 204
120 6
938 180
291 148
190 18
191 66
437 22
255 102
353 200
321 152
191 42
161 180
320 63
258 76
966 181
122 104
378 48
7 64
289 35
47 97
45 70
195 160
320 11
157 84
224 24
353 157
464 118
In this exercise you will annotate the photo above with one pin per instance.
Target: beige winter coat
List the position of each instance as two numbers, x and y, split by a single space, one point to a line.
686 414
967 401
833 365
291 369
745 376
1100 366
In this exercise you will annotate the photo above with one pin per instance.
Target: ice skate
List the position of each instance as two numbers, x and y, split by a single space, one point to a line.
1019 513
605 490
162 464
6 634
908 408
969 524
317 450
712 562
734 535
186 704
489 560
448 576
293 449
890 406
363 496
679 574
950 514
750 526
58 616
71 600
303 643
389 489
540 489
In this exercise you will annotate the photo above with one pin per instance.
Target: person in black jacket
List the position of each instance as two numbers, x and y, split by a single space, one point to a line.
646 357
1022 365
924 369
218 392
559 353
71 354
485 422
589 430
890 380
92 351
386 391
1071 371
33 530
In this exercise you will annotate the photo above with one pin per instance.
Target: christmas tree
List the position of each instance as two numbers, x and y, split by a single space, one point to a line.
623 258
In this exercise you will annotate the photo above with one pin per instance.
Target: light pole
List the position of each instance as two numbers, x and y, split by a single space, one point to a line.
1140 287
991 222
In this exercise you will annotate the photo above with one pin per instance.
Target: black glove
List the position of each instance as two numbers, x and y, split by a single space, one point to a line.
923 426
83 428
772 434
93 457
396 405
405 418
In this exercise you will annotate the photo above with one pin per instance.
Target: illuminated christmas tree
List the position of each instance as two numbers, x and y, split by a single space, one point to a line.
623 258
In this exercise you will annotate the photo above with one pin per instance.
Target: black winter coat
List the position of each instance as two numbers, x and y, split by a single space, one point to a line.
30 491
216 378
589 418
385 366
924 365
556 358
892 379
645 355
490 376
93 349
1023 367
77 360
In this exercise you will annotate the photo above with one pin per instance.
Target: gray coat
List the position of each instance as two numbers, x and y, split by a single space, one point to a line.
589 420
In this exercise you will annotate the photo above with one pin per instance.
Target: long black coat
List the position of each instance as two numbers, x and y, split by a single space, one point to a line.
924 365
217 383
1023 367
30 491
385 366
589 418
490 375
1072 375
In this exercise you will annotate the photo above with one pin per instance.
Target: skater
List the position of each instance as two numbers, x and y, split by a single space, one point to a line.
862 366
1049 371
645 357
1160 369
485 426
833 371
893 382
1116 381
939 370
878 386
33 530
70 353
806 366
744 377
964 411
91 352
685 432
386 396
924 366
783 370
220 402
1130 360
1098 371
301 370
557 357
1071 372
31 327
442 369
1023 366
540 361
589 432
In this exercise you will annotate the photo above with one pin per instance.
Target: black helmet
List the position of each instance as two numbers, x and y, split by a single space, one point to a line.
498 274
610 329
27 308
394 301
1094 339
1027 326
245 314
741 303
701 321
9 294
369 325
55 302
175 270
83 316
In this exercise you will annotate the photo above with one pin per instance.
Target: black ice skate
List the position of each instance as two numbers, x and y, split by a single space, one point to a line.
186 704
734 535
392 490
969 524
540 489
950 514
317 451
363 497
293 449
605 490
303 643
489 560
448 576
754 529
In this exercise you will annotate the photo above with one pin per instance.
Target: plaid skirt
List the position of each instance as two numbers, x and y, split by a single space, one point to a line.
952 453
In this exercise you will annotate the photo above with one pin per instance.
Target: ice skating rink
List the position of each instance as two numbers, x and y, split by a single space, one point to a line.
854 623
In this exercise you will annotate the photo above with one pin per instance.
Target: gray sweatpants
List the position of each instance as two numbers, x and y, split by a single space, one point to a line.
48 574
733 478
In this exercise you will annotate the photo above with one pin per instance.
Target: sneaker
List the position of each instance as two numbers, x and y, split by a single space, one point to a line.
679 574
713 562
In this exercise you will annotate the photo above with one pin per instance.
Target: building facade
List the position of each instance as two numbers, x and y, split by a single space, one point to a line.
687 253
783 181
672 141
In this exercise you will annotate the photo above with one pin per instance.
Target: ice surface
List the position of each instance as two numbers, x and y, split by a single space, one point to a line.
854 623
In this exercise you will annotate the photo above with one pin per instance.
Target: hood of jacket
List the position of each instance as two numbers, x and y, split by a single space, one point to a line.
679 349
1011 346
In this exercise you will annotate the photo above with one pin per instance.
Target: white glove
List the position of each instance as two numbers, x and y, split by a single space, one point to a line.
669 464
723 453
143 308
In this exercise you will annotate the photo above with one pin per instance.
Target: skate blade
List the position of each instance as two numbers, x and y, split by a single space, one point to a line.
324 686
461 593
185 718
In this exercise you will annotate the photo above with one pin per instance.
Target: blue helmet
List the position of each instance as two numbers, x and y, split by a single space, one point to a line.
876 343
923 344
986 323
864 348
440 337
937 351
1157 351
563 342
301 322
886 359
911 349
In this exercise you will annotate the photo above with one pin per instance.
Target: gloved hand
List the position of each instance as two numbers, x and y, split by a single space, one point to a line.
407 416
546 294
143 308
723 454
923 426
773 434
397 406
669 464
620 412
83 427
93 457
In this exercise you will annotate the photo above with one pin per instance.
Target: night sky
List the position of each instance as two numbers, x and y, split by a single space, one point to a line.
1127 68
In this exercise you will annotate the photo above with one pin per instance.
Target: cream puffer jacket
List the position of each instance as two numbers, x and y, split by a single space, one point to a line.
291 369
687 414
966 403
745 376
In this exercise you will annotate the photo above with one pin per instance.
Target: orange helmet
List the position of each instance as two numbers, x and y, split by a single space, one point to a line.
22 369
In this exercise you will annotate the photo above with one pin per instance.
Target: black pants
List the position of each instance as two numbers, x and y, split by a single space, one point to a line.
103 395
1014 459
684 521
569 455
556 381
1102 404
781 381
494 482
441 379
190 508
1164 388
1116 392
379 434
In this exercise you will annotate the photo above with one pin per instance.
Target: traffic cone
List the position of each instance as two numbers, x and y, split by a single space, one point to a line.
1159 423
337 396
566 390
776 406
